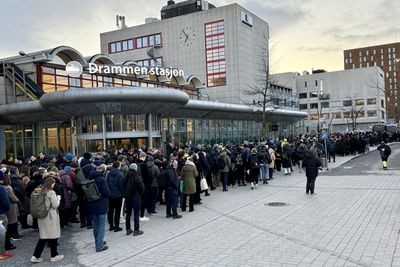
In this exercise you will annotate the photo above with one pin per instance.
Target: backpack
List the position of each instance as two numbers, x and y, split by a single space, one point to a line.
80 176
254 162
162 179
91 190
221 163
38 203
89 187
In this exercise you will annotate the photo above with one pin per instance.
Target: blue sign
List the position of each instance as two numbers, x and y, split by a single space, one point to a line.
323 135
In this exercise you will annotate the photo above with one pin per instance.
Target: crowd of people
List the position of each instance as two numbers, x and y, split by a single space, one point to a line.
102 187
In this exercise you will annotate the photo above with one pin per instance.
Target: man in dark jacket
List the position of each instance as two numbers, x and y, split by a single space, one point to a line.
385 152
332 150
99 208
311 163
133 190
114 183
153 172
172 190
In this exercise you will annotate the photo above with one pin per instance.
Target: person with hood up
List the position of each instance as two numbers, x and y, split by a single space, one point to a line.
385 152
224 171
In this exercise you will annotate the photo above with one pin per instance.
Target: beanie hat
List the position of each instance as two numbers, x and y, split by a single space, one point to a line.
70 156
133 166
67 169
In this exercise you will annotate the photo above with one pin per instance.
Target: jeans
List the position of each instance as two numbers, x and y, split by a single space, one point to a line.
172 205
264 172
42 243
224 179
132 203
114 211
99 229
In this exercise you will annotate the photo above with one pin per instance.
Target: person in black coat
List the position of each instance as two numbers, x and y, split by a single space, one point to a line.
133 190
311 163
172 190
385 152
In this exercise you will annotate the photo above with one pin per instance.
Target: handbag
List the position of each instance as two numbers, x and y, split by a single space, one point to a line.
181 185
203 184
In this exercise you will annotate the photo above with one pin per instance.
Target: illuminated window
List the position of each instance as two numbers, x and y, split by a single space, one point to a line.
371 101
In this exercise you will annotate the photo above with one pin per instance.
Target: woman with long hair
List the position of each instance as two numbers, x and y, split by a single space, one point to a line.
49 227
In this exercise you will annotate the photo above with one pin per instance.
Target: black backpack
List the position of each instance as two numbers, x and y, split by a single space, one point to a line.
221 163
239 159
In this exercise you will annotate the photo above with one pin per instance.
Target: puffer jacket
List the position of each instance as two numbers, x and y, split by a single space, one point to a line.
115 180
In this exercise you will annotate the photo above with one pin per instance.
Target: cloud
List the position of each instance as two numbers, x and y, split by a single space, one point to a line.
323 49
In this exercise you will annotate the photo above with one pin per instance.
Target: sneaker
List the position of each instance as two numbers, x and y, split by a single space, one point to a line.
252 185
129 231
256 185
117 229
18 237
102 249
36 260
144 219
57 258
137 232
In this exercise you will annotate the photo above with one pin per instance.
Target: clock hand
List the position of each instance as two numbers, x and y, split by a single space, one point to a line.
185 33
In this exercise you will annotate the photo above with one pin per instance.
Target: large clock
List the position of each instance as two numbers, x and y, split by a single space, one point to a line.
187 36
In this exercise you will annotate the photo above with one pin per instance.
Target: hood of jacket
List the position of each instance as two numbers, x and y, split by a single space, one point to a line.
150 163
188 162
94 174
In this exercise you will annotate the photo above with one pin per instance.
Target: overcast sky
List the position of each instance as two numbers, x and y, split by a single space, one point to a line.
305 34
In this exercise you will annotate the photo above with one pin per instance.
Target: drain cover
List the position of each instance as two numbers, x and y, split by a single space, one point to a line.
276 204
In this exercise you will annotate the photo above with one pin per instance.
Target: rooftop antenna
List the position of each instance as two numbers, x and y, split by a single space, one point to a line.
120 22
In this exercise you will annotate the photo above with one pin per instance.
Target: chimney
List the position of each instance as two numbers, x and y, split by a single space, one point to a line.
170 2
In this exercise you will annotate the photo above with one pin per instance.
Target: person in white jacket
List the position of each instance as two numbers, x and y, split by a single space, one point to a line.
49 227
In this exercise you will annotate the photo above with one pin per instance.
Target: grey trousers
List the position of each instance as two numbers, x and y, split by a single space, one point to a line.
3 218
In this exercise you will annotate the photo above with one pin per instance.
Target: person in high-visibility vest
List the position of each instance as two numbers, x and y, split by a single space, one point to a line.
385 152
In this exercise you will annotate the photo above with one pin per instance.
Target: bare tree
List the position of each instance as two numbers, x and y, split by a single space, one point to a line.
260 91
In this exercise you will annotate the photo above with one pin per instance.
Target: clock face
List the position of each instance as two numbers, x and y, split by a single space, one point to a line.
187 36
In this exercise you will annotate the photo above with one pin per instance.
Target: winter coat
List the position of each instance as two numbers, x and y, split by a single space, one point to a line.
273 158
189 174
115 180
385 151
32 184
18 186
172 182
132 185
49 226
227 162
154 172
4 201
13 212
311 164
99 206
68 188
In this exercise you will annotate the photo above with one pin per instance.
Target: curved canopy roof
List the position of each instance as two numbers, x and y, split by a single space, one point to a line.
63 105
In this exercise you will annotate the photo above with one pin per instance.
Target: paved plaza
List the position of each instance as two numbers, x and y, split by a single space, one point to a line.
353 220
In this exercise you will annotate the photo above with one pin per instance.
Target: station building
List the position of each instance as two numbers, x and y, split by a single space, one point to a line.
44 109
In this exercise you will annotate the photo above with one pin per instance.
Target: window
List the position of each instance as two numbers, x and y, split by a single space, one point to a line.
372 113
346 61
118 45
303 106
130 44
313 105
144 41
302 95
158 38
313 94
359 102
350 54
324 104
336 104
347 114
347 103
314 117
337 115
151 40
305 84
360 114
138 42
215 53
316 82
371 101
112 48
125 45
